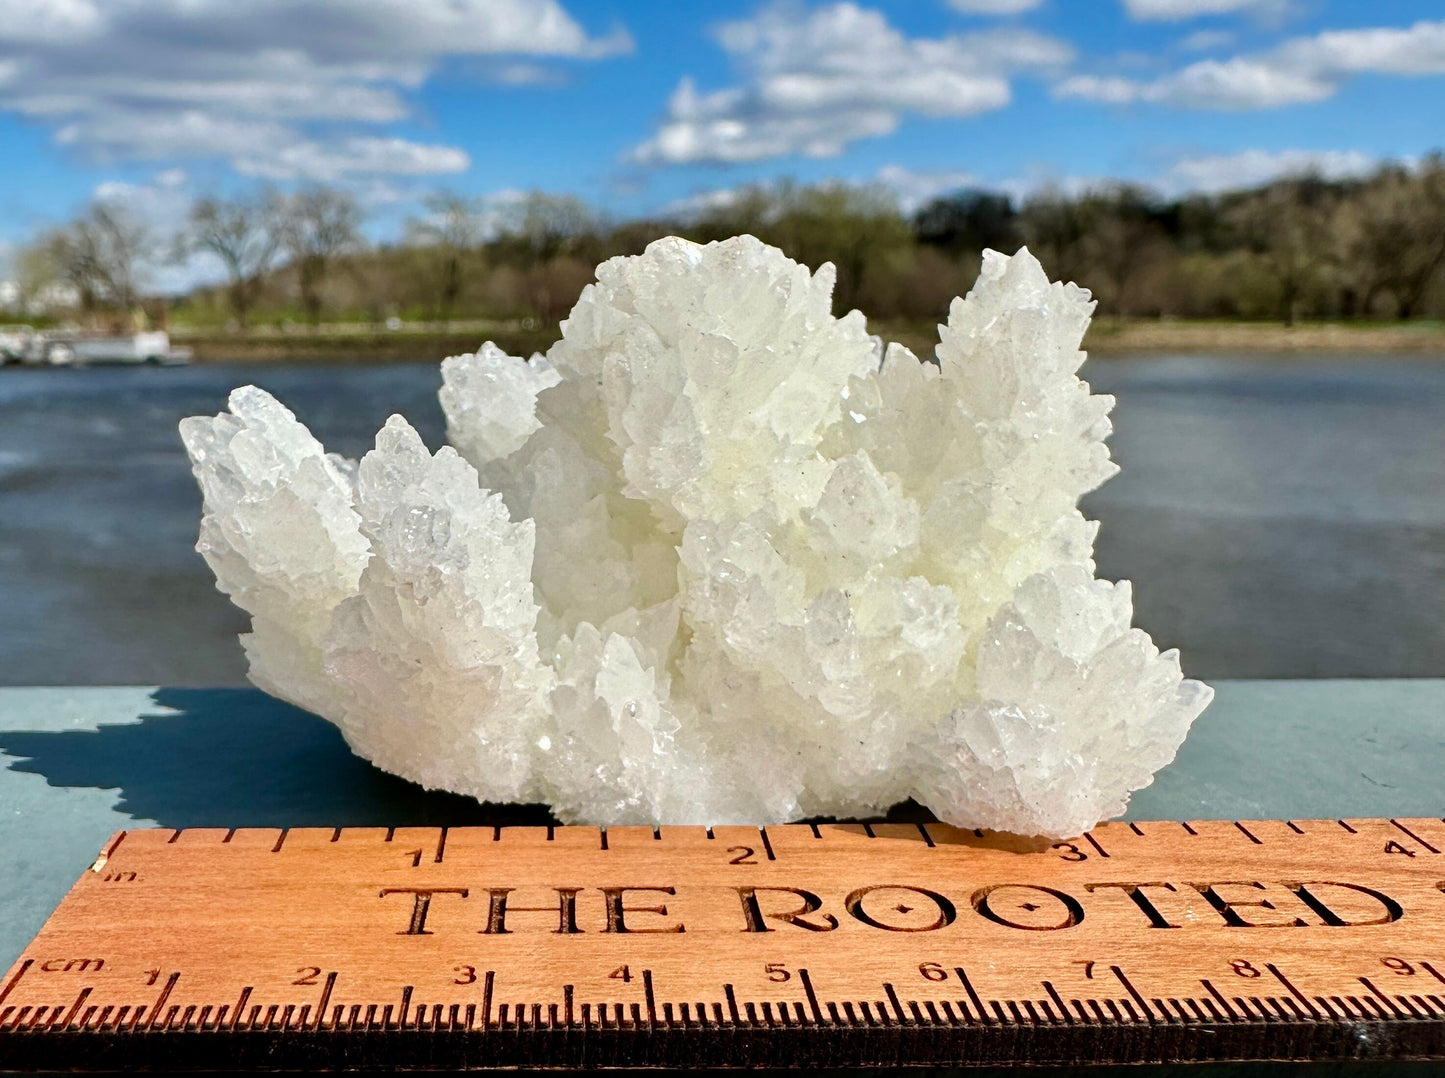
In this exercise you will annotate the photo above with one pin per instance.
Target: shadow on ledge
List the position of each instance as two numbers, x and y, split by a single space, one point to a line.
240 758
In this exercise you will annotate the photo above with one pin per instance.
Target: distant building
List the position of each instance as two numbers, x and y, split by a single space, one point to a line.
52 297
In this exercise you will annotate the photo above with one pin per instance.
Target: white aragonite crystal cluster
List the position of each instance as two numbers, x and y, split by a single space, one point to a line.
718 558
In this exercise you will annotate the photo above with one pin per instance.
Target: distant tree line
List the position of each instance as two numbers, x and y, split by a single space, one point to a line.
1303 247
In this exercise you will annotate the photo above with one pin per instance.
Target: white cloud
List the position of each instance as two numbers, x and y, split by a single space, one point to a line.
916 189
1176 10
994 7
1212 173
266 83
691 207
816 79
1303 69
1205 40
333 161
161 205
911 189
48 20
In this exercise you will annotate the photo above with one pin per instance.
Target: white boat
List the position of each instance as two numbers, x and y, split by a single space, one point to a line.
67 349
15 343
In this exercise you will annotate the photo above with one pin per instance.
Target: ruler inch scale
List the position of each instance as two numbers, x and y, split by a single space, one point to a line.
808 944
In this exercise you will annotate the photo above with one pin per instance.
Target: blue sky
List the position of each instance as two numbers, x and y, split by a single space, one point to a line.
637 105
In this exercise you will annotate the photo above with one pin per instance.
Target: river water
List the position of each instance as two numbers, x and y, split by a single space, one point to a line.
1278 518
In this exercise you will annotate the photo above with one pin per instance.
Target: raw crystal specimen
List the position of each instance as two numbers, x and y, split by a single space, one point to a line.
718 558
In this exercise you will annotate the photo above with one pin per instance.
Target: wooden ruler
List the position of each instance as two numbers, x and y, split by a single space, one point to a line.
827 945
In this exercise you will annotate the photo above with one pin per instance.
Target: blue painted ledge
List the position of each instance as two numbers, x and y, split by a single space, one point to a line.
81 763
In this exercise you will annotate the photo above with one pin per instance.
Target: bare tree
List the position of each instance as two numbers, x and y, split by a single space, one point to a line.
968 221
1123 241
857 228
317 225
550 223
454 226
102 255
245 234
1287 224
1396 234
1055 228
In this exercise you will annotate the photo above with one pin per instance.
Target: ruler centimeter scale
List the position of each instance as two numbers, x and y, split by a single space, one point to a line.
801 944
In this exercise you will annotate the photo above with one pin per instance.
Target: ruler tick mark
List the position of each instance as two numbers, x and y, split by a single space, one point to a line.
75 1007
281 838
1187 829
927 838
10 985
1282 979
1347 827
165 995
325 996
973 995
1294 827
1092 841
1246 833
1058 1002
1133 992
1384 998
1414 836
1135 828
892 995
767 845
812 995
1228 1010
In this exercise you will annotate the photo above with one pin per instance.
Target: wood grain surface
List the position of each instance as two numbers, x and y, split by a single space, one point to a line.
801 944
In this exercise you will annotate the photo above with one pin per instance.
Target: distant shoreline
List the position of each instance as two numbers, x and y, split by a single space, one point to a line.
1373 338
341 344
